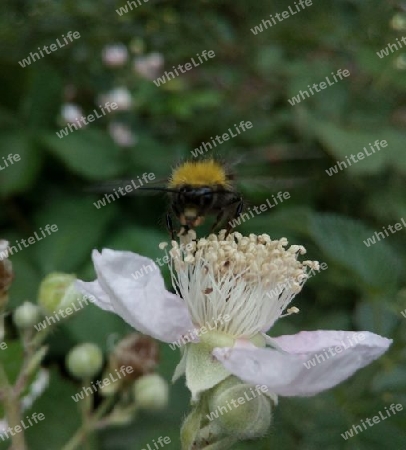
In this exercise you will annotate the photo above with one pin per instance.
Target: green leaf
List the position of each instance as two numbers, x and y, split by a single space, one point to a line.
289 222
385 434
61 415
26 281
12 358
80 228
342 239
144 241
376 317
389 203
20 174
88 152
342 143
85 326
42 100
396 149
394 380
140 240
268 59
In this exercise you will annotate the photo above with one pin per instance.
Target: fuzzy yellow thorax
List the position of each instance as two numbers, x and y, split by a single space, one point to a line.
199 173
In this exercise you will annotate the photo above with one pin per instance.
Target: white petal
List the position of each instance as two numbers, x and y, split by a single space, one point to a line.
135 290
96 294
259 366
309 366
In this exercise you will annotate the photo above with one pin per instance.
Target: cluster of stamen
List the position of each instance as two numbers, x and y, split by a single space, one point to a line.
252 279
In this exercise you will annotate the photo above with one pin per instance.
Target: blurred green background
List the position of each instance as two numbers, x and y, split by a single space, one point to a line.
251 78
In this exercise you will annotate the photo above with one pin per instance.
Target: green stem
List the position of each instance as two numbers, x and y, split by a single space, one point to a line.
12 410
4 383
89 426
29 350
10 394
86 408
3 304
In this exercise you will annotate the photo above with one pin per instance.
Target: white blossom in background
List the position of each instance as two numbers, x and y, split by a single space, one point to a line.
70 112
3 425
400 62
115 55
149 66
119 95
122 134
398 22
36 389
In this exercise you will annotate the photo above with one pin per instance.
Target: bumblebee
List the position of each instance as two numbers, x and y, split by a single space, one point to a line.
197 189
200 188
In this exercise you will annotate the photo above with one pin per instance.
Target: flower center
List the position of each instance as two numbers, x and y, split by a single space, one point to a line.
238 285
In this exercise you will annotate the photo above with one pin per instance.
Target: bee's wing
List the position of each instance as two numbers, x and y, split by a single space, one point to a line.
151 188
250 184
251 162
273 153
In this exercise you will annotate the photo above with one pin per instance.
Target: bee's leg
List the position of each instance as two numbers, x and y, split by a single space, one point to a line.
169 226
223 215
237 212
219 219
184 230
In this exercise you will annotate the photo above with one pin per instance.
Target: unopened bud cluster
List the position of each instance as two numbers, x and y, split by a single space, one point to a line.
137 351
6 272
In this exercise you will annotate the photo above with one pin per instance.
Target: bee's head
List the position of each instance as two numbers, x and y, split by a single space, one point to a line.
199 196
190 217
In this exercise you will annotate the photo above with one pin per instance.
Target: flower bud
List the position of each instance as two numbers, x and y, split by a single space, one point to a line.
151 392
109 389
26 315
243 410
57 291
398 22
400 62
136 351
84 360
137 46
